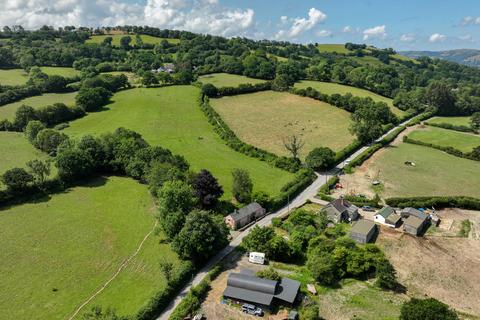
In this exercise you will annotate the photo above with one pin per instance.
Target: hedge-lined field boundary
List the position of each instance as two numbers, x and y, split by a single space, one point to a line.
450 126
450 150
437 202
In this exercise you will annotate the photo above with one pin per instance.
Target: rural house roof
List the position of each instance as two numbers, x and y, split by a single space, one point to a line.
363 227
414 222
340 205
246 287
245 211
393 219
386 212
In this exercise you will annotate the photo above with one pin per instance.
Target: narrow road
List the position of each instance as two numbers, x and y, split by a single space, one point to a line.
310 192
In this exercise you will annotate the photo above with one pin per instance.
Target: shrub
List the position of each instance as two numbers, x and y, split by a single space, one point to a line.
17 180
32 129
426 309
269 273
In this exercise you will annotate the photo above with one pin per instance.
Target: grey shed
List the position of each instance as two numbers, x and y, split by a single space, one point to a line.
363 231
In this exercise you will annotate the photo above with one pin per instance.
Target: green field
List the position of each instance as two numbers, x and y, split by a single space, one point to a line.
330 48
57 252
464 142
227 80
436 173
13 77
264 119
171 117
8 111
16 151
360 300
60 71
116 39
331 88
457 121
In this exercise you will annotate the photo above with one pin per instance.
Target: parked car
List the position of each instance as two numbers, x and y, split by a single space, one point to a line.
368 208
251 309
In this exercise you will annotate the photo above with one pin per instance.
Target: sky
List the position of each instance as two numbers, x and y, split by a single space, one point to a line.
400 24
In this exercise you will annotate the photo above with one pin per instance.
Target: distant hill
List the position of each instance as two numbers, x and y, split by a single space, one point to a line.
469 57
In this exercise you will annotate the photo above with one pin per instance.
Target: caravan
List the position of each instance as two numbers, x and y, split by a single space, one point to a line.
257 257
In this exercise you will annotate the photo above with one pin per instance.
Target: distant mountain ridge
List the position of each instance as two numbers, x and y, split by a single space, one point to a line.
469 57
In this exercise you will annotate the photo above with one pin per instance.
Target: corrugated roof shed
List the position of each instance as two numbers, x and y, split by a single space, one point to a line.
414 222
386 211
363 227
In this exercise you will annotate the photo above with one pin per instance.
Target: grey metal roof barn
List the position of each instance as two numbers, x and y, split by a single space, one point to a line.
246 211
340 210
363 231
249 288
241 217
407 212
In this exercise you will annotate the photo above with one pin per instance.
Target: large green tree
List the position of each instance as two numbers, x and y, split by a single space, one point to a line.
320 159
368 121
242 185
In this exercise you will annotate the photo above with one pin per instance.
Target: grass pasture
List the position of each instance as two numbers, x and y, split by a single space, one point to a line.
13 77
227 80
61 71
8 111
116 39
359 299
265 118
330 48
436 173
331 88
57 252
457 121
171 117
16 151
464 142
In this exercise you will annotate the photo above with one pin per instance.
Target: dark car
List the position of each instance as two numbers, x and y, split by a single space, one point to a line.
368 208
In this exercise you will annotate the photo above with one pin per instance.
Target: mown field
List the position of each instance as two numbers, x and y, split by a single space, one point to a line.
464 142
116 39
61 71
435 173
13 77
264 119
171 117
457 121
227 80
16 151
331 88
8 111
57 252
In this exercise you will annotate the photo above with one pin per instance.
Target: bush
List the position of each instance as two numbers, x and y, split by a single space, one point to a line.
269 273
426 309
437 202
17 180
325 189
48 140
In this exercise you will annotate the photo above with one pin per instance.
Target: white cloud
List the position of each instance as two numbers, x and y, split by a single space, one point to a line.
347 29
470 20
437 37
204 16
375 32
300 25
323 33
466 37
407 37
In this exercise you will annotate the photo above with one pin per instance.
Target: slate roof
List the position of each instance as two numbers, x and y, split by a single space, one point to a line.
340 205
245 211
246 287
362 227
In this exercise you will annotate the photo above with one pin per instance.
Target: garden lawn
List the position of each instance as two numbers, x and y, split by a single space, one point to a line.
171 117
457 121
464 142
227 80
7 111
332 88
436 173
57 252
61 71
16 151
264 119
116 39
13 77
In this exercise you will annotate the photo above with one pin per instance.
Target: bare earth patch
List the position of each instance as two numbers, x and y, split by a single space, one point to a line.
440 265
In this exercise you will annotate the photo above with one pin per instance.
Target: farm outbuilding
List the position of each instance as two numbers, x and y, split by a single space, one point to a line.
387 216
242 217
414 225
246 287
363 231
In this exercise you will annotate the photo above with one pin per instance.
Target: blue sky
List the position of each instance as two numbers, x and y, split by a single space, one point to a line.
401 24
